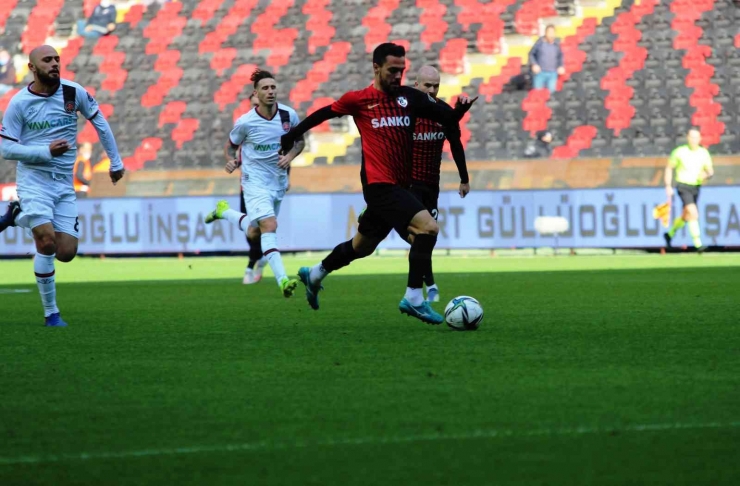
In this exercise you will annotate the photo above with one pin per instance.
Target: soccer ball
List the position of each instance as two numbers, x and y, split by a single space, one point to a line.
464 313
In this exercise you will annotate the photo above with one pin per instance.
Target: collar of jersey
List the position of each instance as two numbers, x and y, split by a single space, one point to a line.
43 95
268 119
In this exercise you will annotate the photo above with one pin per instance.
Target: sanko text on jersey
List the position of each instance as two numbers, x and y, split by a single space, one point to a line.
391 121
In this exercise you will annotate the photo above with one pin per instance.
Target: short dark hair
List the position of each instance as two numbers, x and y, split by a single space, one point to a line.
551 26
258 75
693 129
381 53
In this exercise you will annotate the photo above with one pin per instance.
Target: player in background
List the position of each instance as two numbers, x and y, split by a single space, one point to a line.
264 172
257 262
385 114
429 139
40 131
693 165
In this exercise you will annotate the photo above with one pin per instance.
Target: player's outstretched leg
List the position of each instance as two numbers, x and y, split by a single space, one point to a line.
420 259
342 255
8 218
43 268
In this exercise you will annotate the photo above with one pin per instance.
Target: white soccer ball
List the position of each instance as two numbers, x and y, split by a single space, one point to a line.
464 313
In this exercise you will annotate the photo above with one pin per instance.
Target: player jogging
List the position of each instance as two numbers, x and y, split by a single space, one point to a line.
40 131
429 139
385 114
264 171
693 165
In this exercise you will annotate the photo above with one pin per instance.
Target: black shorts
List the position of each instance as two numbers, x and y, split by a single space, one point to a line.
389 207
428 195
689 194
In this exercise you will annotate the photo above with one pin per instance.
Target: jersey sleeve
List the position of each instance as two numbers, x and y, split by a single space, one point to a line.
238 134
12 123
425 106
348 104
708 162
294 121
86 104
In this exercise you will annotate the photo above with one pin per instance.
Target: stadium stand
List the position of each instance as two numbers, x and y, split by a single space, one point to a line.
174 76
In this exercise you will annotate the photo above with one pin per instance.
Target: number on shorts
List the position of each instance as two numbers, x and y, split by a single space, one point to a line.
77 224
435 213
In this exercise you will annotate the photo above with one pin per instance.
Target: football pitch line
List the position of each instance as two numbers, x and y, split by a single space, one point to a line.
349 441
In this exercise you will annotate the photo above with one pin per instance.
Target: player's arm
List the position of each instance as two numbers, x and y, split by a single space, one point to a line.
668 176
90 110
237 137
80 175
284 160
425 106
458 155
11 147
708 168
346 105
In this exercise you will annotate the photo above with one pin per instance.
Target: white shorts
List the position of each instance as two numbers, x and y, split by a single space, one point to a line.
262 203
47 197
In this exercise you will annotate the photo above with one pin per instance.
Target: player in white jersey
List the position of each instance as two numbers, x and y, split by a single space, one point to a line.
264 172
40 132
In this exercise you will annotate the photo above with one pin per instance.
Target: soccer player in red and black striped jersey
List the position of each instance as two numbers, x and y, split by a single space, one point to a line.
385 114
429 139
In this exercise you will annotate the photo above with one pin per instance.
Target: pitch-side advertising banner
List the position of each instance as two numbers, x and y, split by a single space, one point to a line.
608 218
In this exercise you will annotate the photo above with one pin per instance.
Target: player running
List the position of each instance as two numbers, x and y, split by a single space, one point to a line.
385 114
429 139
40 131
693 165
264 171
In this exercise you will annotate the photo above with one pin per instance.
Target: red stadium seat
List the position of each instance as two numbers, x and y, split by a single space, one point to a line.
172 112
134 15
223 59
184 131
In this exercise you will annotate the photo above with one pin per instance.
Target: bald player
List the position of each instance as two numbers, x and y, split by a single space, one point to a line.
429 139
693 165
40 131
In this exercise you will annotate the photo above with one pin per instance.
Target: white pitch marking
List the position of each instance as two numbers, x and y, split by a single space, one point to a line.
267 445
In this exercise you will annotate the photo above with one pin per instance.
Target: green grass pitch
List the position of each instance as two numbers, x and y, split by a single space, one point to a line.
598 370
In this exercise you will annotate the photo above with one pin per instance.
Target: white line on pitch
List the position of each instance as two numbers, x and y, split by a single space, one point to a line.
268 445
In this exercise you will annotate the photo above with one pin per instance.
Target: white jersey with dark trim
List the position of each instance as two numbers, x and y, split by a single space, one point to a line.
34 119
260 141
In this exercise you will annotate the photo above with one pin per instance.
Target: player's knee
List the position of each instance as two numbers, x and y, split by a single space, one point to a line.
428 227
363 246
46 243
66 256
268 225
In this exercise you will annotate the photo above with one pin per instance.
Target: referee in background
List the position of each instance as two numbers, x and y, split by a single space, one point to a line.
693 165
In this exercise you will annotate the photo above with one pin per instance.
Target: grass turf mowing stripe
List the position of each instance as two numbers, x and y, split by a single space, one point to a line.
348 441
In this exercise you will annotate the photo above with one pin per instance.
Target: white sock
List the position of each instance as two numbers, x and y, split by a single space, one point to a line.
432 287
269 248
43 267
414 296
318 273
239 219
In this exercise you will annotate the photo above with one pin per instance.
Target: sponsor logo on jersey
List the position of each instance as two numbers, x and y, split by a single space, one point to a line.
89 97
46 124
428 136
402 101
266 147
32 111
391 121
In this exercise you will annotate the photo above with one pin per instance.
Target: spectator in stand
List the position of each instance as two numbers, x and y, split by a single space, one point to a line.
101 22
546 61
539 148
7 71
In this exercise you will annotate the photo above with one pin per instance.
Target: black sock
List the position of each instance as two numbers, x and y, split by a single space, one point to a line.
255 251
341 256
420 259
429 278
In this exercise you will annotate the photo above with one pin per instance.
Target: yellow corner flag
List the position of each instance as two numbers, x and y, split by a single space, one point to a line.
663 213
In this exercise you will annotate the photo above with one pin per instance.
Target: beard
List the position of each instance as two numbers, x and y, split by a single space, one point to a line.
47 79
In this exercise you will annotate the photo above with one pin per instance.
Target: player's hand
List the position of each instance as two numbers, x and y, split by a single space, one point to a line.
285 160
58 147
231 166
116 175
464 190
561 71
669 191
287 142
536 69
465 103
